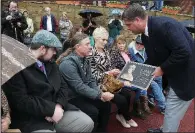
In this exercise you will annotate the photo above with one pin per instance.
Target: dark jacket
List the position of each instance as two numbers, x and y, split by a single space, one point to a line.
43 23
90 30
77 73
171 47
10 27
32 96
117 60
115 26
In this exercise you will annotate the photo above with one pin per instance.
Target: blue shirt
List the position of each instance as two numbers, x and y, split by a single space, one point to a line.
40 64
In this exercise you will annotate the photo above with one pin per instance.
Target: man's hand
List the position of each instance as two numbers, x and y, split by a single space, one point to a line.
49 119
9 17
114 72
107 96
19 24
127 83
58 113
5 122
158 72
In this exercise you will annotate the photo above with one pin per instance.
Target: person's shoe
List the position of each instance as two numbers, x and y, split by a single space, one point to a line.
132 123
137 111
162 111
154 130
122 120
151 102
144 104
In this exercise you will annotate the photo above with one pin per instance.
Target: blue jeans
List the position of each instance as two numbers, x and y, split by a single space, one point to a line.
156 87
159 5
138 92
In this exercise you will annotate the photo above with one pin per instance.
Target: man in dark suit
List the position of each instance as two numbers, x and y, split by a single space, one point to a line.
38 94
170 47
49 22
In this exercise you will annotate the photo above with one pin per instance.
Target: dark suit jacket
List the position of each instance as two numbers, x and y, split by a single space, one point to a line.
43 23
32 96
171 47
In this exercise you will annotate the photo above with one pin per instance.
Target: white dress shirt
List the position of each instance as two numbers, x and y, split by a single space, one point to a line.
49 24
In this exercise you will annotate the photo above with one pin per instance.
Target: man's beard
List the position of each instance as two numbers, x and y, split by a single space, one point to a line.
46 61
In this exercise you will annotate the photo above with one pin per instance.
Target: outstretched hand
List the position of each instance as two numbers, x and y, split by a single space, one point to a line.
158 72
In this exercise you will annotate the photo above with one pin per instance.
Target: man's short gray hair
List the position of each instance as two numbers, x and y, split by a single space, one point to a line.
47 8
133 11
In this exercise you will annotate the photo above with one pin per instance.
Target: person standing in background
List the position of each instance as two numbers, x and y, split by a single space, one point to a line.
49 22
65 26
28 32
115 25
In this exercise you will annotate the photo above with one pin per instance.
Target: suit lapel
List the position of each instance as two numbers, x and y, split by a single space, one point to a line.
48 68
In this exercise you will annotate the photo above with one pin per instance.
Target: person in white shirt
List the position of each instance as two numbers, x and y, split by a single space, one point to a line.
49 22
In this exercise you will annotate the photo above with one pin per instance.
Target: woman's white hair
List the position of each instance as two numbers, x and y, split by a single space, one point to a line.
99 32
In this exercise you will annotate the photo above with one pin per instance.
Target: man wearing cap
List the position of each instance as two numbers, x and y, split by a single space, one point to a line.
38 94
170 47
138 54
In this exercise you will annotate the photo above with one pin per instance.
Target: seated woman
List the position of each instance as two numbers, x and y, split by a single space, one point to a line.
5 116
119 57
101 65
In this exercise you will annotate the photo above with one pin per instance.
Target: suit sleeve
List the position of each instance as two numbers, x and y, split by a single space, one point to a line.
62 96
18 97
3 18
41 23
178 45
56 24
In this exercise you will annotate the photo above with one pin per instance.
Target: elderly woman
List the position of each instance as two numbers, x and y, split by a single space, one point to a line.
119 56
65 26
101 65
5 116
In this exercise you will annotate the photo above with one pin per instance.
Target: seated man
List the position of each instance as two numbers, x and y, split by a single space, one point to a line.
85 93
38 94
138 54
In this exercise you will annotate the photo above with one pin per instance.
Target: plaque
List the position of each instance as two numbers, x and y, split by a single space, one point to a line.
138 74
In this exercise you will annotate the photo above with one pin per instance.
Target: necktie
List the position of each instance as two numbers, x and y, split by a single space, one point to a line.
42 68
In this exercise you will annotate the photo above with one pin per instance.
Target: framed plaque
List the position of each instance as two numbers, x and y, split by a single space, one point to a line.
138 74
